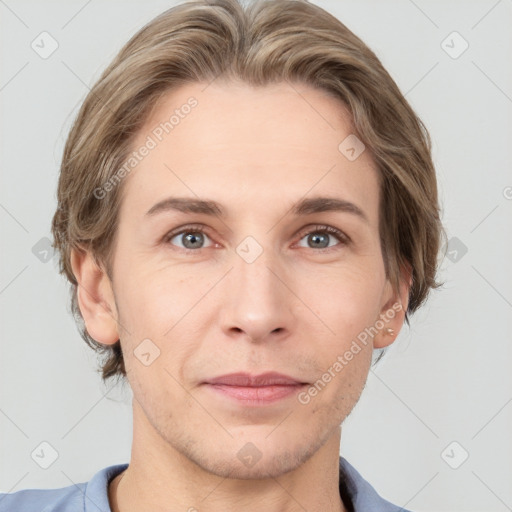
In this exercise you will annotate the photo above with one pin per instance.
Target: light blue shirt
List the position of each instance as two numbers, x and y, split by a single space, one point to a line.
357 495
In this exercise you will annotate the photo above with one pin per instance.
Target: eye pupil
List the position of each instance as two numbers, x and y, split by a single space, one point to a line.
193 237
318 238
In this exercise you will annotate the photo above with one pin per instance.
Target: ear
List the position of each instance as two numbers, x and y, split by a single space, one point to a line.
392 314
95 297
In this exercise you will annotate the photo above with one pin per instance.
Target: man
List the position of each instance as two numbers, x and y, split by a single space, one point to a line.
247 209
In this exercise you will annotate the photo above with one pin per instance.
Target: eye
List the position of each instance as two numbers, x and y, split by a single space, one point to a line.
192 238
318 237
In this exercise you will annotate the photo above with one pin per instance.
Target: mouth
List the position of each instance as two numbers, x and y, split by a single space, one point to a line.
255 390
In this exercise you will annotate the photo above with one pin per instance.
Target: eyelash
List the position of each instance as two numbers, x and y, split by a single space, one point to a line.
342 238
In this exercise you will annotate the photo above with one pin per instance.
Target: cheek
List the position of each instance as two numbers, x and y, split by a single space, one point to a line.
345 301
151 302
345 307
334 394
157 322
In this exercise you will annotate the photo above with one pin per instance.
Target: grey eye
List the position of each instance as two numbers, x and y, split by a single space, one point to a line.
189 239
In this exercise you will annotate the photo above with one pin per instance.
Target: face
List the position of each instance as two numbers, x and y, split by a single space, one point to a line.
261 278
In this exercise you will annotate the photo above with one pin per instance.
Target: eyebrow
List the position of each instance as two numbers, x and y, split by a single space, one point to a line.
306 206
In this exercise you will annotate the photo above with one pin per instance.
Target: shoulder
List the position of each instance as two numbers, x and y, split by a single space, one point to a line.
44 500
83 497
363 496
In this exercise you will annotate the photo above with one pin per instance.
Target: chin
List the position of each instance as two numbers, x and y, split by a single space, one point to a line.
253 461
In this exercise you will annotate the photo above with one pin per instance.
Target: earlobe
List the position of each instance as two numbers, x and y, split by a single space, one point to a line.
95 297
392 314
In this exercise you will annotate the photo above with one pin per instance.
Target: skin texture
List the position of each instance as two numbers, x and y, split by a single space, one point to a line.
293 310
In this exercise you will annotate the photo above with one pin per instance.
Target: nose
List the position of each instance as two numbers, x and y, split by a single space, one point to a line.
258 304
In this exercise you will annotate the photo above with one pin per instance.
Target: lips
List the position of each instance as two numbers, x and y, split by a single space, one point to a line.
242 379
246 390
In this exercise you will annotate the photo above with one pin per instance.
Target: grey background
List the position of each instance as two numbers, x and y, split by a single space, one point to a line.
446 379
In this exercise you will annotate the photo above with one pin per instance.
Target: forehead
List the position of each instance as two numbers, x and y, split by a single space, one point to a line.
249 148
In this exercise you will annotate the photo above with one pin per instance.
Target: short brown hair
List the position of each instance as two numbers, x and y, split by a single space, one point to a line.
267 41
